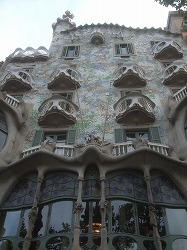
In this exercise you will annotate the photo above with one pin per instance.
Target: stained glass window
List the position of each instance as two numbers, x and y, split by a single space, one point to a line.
165 191
91 184
59 185
127 185
23 193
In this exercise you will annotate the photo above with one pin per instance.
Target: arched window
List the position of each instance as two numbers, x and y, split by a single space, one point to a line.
3 131
55 218
129 225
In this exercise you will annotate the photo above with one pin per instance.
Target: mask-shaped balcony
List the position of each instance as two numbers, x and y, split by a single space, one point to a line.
129 76
57 111
18 81
134 108
64 78
167 49
175 74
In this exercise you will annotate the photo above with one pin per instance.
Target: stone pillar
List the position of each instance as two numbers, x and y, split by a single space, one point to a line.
32 216
77 211
152 212
103 208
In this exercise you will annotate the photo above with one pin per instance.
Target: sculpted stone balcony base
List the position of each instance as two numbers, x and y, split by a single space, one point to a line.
167 49
17 81
129 76
175 74
134 108
64 78
57 111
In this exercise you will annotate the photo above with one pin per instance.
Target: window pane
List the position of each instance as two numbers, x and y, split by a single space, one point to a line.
39 226
144 221
122 217
24 224
6 245
57 243
124 49
130 136
96 217
84 220
180 244
61 214
177 221
3 137
71 51
126 243
11 218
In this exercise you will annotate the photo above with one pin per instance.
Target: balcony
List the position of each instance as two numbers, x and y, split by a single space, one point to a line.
65 150
167 49
64 78
119 149
16 81
134 109
129 76
57 111
127 147
175 74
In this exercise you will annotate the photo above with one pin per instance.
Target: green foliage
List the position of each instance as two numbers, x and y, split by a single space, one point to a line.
179 5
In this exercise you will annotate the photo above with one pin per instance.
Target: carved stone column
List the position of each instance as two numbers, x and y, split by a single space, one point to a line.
32 216
103 208
78 210
152 212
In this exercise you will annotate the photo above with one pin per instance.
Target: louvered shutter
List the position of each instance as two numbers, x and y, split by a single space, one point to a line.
120 135
154 135
71 137
38 138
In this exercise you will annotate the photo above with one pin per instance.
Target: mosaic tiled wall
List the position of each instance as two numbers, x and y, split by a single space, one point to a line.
96 65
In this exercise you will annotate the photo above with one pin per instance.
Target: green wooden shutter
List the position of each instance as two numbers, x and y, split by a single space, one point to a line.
71 137
120 135
64 51
154 135
38 138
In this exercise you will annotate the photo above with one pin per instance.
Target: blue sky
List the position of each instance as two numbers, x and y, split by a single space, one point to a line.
25 23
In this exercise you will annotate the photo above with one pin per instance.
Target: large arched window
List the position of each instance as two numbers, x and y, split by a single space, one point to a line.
54 225
129 225
3 131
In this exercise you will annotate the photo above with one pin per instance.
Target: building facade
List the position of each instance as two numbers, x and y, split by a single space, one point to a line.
93 146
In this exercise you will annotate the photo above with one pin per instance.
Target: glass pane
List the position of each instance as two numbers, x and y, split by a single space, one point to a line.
34 245
126 243
180 244
96 217
71 51
50 138
10 218
122 217
149 244
144 221
3 137
61 215
24 224
39 226
84 220
123 48
143 135
57 243
6 245
177 221
61 139
130 136
83 240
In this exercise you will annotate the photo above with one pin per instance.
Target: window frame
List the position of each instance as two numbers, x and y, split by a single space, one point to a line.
117 47
66 49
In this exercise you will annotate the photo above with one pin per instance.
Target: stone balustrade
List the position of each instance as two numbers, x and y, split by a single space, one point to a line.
11 101
118 149
181 94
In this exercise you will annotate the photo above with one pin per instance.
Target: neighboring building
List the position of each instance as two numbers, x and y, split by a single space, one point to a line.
93 148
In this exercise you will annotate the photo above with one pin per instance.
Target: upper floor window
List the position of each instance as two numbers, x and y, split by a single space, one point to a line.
71 51
3 131
124 49
126 92
154 42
